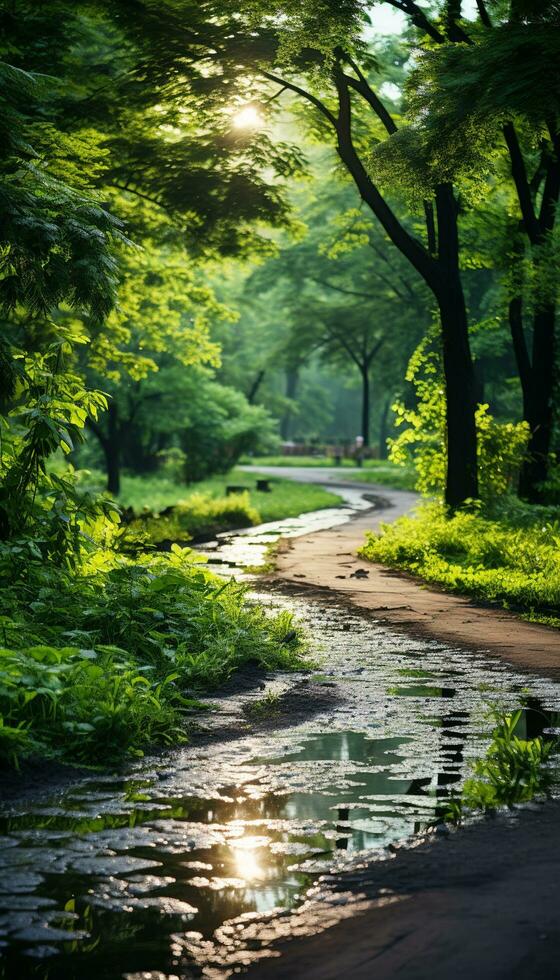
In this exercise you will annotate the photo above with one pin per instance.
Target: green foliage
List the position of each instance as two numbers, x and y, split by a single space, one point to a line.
263 708
514 770
49 411
57 246
222 426
110 660
57 241
287 498
199 517
501 446
509 556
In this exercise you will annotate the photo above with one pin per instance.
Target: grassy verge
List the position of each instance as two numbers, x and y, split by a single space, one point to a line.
203 509
373 470
510 556
110 660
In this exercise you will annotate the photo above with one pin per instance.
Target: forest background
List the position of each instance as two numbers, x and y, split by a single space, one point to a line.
228 226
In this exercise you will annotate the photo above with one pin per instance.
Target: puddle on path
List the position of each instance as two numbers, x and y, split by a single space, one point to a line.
151 873
131 875
232 552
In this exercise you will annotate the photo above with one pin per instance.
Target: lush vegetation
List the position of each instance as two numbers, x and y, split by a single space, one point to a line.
111 660
285 498
165 511
510 556
514 770
225 223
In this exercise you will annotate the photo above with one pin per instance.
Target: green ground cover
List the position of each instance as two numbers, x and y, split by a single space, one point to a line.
373 470
203 509
509 555
110 659
513 771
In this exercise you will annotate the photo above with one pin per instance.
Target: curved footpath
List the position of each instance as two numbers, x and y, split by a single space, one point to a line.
482 901
327 562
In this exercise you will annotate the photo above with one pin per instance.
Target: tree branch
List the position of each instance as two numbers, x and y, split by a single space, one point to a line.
375 349
341 289
141 194
483 14
304 94
519 174
361 85
410 247
418 18
551 191
381 254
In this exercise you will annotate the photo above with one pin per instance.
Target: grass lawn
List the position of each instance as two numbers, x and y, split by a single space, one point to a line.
373 471
286 499
508 555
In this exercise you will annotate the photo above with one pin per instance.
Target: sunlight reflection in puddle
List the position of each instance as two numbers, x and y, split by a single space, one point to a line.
133 873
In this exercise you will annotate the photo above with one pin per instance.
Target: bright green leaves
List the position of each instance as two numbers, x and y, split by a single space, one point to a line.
147 638
509 556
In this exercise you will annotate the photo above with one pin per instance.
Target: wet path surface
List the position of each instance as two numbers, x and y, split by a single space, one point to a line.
161 871
233 553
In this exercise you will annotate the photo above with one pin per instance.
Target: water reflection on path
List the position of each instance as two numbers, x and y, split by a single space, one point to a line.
127 874
232 552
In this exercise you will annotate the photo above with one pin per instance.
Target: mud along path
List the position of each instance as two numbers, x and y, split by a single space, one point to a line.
327 561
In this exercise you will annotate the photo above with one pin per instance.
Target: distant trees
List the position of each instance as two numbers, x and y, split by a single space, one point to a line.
346 298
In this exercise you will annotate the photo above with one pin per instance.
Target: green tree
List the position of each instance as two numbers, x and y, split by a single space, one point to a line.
481 91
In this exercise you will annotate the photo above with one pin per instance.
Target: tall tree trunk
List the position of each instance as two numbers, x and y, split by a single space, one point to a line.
253 390
365 404
383 453
442 276
460 384
292 380
537 401
462 481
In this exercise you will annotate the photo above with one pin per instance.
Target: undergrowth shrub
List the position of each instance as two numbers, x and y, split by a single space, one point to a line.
510 556
197 517
111 659
422 442
514 770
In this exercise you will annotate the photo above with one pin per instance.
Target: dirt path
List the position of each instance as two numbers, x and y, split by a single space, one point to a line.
327 561
483 901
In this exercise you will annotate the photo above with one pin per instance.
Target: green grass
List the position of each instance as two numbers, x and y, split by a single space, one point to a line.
509 556
373 471
514 770
110 660
286 499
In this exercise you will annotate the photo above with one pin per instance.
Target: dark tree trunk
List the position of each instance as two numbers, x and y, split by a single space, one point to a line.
365 404
462 481
460 385
292 381
443 277
383 454
253 390
536 373
537 403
